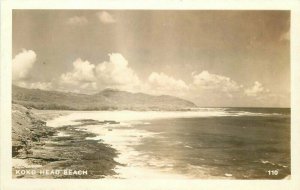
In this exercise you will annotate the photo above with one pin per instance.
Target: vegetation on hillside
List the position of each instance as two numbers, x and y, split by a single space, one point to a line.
108 99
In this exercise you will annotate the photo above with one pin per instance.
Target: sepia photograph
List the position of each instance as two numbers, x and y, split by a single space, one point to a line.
152 95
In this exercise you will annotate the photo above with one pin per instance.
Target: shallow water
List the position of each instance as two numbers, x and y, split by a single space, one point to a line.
239 143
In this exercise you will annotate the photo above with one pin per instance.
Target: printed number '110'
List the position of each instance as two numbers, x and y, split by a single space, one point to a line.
273 172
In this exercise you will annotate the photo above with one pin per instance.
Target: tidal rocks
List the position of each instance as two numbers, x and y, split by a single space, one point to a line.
42 149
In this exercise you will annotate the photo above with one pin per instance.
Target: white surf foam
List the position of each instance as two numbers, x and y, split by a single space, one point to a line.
123 116
136 164
138 116
124 136
62 134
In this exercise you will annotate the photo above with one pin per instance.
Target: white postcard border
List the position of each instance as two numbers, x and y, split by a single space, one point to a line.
6 57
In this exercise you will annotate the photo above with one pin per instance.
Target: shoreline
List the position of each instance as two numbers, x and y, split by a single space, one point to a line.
124 135
133 163
63 149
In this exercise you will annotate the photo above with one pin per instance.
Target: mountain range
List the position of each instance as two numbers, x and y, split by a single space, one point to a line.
108 99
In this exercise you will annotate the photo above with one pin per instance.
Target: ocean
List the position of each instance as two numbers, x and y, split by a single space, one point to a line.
205 143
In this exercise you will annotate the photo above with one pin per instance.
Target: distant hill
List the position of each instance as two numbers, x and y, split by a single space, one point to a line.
108 99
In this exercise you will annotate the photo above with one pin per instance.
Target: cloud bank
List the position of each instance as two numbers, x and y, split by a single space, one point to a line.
208 81
160 83
87 77
35 85
205 88
256 90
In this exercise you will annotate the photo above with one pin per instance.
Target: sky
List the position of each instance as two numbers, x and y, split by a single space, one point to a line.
214 58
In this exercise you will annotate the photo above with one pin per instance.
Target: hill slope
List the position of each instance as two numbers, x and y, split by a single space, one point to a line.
108 99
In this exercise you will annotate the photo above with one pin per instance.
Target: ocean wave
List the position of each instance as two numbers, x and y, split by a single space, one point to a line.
246 113
136 117
272 163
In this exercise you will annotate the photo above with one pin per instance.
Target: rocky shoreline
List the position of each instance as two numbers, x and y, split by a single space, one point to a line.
45 149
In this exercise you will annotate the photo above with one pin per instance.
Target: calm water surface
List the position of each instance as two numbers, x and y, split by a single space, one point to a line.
243 146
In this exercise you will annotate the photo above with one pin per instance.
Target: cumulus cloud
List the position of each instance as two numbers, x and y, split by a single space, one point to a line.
117 73
164 84
87 77
205 89
105 17
22 64
77 20
21 69
256 89
208 81
83 71
35 85
82 77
